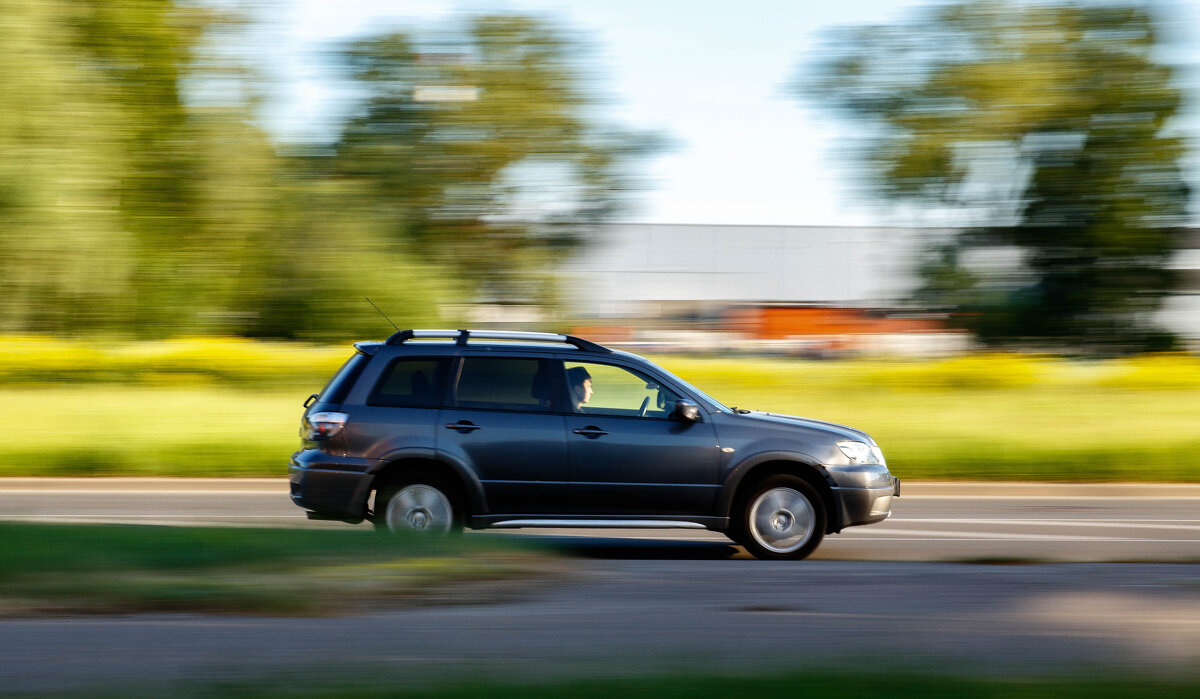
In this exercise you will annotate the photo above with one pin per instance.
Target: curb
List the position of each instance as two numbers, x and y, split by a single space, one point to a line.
147 484
1034 489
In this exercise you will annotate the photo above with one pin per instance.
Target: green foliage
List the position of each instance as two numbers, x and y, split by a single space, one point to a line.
111 201
138 199
969 372
1150 372
972 372
63 249
480 148
182 362
1050 123
332 255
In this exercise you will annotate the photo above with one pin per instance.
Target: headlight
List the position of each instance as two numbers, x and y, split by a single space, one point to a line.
861 452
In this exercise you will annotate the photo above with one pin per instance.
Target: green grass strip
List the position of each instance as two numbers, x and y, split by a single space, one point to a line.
1034 433
846 685
148 568
220 407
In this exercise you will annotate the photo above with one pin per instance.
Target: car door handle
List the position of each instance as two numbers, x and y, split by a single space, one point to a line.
591 432
462 426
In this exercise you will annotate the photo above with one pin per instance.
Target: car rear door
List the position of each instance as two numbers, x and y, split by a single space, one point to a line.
503 423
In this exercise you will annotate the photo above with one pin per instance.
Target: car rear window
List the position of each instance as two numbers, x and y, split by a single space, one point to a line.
501 383
335 391
411 383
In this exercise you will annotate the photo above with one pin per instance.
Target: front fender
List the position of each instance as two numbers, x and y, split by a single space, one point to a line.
736 473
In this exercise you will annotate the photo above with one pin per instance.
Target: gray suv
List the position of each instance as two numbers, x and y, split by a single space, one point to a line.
435 430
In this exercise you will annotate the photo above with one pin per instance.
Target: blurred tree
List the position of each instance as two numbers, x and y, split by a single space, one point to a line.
479 149
137 53
99 212
1052 123
324 252
290 250
137 197
64 255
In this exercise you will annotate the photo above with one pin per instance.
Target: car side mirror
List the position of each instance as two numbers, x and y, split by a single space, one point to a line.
685 411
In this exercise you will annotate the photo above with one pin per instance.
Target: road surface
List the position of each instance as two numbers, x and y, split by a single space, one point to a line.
633 617
910 594
931 522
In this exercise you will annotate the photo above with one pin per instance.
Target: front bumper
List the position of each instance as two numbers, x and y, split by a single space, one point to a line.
335 487
866 505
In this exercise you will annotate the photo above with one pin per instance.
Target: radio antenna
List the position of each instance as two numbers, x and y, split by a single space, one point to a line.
381 313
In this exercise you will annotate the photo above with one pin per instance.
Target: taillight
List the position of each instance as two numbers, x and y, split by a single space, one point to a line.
322 425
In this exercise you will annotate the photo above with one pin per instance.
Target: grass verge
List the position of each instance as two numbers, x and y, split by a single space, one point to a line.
1034 433
208 407
97 430
810 684
102 569
1000 417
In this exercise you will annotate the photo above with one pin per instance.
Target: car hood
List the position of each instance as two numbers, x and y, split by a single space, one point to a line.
841 431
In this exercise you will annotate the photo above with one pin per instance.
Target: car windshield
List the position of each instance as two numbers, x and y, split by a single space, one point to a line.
692 389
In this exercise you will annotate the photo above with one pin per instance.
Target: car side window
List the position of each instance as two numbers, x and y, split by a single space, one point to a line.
606 389
411 383
504 383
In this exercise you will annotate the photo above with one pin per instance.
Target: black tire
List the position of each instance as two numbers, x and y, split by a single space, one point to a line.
781 517
423 504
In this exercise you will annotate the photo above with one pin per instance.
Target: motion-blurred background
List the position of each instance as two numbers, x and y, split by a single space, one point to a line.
968 228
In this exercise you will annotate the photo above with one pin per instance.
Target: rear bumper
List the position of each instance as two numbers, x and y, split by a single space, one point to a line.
866 505
336 488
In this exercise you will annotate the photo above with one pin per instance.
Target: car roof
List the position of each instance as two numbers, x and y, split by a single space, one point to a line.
451 342
484 338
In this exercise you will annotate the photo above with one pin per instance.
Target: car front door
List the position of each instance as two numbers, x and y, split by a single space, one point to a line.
505 424
627 457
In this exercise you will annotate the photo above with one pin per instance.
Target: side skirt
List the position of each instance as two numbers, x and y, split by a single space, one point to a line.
718 524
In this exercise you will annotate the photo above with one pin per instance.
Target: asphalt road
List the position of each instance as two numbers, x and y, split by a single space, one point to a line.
953 583
633 617
931 522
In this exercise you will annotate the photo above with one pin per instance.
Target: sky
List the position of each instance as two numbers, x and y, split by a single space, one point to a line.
712 77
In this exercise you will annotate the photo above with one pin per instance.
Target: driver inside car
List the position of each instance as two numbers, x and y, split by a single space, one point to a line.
580 383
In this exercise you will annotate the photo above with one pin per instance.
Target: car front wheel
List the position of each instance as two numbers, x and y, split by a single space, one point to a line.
782 518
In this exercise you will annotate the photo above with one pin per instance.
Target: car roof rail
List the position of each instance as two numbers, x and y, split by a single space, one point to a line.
462 336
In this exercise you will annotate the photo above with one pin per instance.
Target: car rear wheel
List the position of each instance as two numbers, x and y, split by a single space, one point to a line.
424 505
781 517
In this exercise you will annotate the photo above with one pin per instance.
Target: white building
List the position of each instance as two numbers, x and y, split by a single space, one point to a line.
1181 311
638 270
